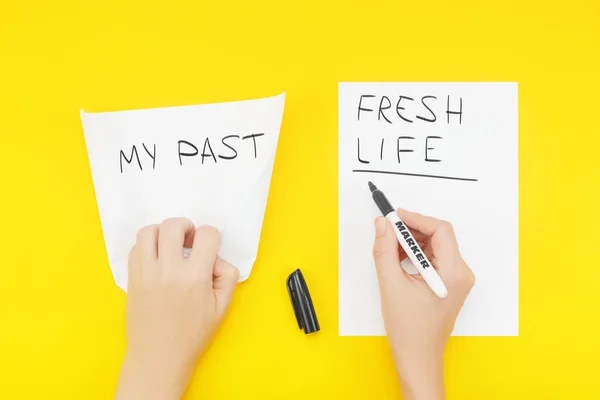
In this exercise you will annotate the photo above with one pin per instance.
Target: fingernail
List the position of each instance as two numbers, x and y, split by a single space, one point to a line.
380 226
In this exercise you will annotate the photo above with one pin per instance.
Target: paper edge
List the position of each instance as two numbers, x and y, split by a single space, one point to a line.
134 110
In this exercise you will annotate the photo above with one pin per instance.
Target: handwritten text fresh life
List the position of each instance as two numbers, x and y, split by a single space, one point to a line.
406 110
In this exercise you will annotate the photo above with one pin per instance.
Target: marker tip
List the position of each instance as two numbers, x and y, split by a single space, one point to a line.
372 186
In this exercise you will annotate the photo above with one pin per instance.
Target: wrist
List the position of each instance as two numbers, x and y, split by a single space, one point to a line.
148 380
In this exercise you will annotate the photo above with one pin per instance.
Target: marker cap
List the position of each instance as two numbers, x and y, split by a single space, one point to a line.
302 303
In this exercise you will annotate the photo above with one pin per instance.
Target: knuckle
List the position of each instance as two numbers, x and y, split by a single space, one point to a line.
465 277
470 278
209 232
171 223
233 273
144 232
378 252
446 226
131 256
230 274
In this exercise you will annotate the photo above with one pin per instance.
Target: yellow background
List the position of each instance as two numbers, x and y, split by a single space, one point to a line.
61 315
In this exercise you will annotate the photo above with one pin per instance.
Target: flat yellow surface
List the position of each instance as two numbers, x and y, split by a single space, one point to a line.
61 315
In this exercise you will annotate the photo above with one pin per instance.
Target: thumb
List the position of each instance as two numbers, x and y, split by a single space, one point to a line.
225 277
385 252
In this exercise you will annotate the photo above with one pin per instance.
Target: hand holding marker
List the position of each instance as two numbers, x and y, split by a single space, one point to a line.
409 244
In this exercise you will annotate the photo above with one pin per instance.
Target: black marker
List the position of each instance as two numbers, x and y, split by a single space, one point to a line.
409 244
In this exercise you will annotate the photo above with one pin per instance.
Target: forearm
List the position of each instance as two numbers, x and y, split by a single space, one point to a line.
421 376
142 381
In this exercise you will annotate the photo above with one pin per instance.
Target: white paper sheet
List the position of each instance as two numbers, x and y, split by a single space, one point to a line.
474 186
210 163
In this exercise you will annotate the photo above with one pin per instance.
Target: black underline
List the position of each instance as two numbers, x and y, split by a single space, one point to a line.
419 175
